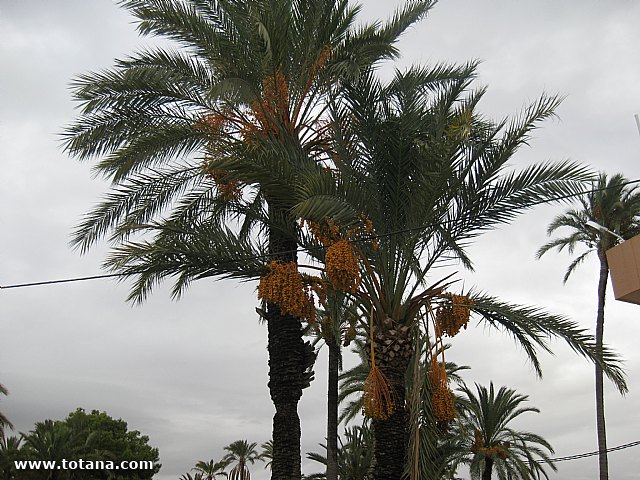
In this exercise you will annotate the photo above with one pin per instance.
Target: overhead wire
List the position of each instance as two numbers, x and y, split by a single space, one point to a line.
591 454
305 249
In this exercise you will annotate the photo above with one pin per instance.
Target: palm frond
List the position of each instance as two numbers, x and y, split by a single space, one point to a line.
533 327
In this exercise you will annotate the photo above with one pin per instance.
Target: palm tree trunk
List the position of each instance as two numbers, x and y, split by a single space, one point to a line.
332 409
488 467
285 348
600 417
288 362
391 436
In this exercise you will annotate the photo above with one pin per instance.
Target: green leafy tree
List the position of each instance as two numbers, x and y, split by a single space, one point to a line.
241 454
492 445
217 131
431 174
94 437
101 437
615 205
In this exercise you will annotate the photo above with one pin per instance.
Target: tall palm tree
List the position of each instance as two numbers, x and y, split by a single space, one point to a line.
216 131
431 175
492 445
615 205
241 453
335 326
211 470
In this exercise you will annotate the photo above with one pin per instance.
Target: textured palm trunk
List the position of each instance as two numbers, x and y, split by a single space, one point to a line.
288 362
391 436
488 468
332 410
600 417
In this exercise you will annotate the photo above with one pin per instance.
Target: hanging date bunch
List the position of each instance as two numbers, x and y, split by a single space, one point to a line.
341 258
213 127
378 398
342 266
230 190
453 315
270 112
442 398
284 285
500 450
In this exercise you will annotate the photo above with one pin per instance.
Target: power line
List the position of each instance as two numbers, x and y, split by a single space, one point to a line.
64 280
591 454
307 249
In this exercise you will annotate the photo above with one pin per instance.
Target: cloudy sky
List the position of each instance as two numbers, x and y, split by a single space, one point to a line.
192 374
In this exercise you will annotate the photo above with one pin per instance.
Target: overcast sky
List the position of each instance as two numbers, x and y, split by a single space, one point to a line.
192 374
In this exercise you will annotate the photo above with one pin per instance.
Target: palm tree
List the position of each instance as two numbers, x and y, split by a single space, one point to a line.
9 452
219 131
210 470
615 205
493 445
267 453
241 453
52 441
354 455
335 326
188 476
430 174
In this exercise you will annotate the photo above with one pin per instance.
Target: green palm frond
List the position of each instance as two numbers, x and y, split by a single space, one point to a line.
188 252
532 328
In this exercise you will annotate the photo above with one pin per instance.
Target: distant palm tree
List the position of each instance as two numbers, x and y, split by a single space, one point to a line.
188 476
355 454
615 205
53 441
493 445
9 452
210 470
241 453
267 453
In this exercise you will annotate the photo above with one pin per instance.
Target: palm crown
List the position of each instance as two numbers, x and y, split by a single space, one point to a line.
495 445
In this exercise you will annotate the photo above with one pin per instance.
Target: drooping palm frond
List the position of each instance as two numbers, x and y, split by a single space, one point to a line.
188 252
4 421
532 328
